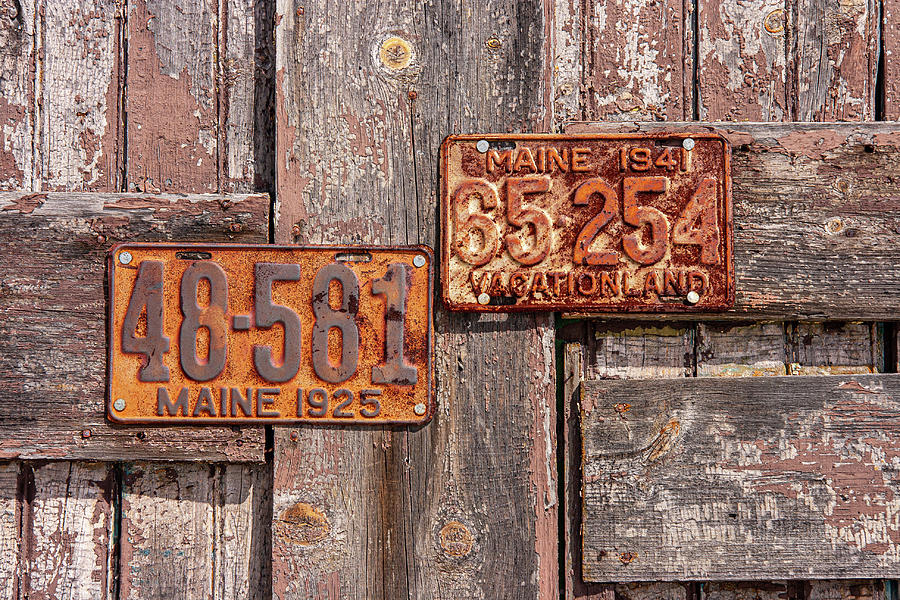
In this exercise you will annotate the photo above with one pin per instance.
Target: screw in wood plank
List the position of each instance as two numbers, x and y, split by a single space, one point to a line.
235 228
85 433
688 143
482 146
119 404
693 297
834 225
483 298
125 258
419 260
419 409
295 436
493 43
774 21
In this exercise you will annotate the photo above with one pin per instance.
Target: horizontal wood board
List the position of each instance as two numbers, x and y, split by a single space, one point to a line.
816 217
743 478
53 330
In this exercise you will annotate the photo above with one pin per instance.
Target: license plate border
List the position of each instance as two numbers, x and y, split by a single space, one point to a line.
727 300
184 421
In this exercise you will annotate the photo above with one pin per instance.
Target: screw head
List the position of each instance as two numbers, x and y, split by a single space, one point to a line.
85 433
419 260
688 143
125 257
119 404
483 298
482 146
693 297
419 409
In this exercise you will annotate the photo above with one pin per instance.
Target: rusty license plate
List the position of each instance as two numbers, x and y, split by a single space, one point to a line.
234 334
612 222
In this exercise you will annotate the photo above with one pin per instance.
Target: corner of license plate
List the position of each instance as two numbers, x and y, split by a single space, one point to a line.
225 334
595 222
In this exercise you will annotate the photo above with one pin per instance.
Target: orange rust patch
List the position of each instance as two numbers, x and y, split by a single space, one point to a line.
456 539
627 557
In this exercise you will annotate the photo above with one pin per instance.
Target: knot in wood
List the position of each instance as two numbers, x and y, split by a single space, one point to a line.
774 21
304 524
456 539
395 53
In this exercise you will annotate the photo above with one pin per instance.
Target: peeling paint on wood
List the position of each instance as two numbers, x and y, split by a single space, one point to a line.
9 529
52 353
890 23
17 106
807 492
645 73
71 532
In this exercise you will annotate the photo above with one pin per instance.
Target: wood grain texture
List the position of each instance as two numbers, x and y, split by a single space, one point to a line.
10 515
52 296
17 94
835 59
890 23
600 350
414 513
750 491
810 201
740 350
71 530
193 531
833 348
645 74
742 66
79 103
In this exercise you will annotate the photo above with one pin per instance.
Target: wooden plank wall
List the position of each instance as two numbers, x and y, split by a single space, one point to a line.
762 60
105 96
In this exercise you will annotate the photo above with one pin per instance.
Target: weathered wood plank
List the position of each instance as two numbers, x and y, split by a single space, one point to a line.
414 513
71 530
810 201
740 350
835 59
17 94
173 128
890 23
568 34
79 89
10 514
647 73
52 335
750 490
194 531
612 350
742 61
833 348
851 589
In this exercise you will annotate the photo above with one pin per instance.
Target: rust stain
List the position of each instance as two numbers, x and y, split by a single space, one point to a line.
303 524
622 408
812 144
26 204
664 440
456 539
627 557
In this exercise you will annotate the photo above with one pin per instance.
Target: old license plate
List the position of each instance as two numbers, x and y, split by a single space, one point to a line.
618 222
229 334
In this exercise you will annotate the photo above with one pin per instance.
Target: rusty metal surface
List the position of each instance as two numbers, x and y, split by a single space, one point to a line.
609 222
207 334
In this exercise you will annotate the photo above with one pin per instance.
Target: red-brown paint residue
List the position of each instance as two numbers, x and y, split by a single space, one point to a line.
855 386
812 144
888 139
849 468
27 203
11 176
165 121
291 183
542 466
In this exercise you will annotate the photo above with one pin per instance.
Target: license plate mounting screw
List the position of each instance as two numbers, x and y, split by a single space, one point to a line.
482 146
693 297
419 409
125 257
483 298
119 404
419 260
688 143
